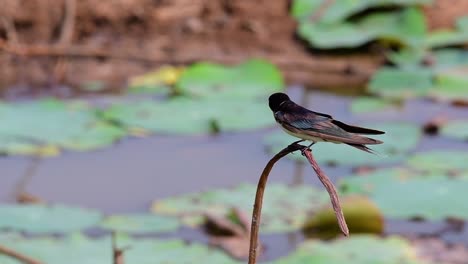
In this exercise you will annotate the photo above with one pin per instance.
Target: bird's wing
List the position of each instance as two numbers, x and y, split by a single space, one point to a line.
323 127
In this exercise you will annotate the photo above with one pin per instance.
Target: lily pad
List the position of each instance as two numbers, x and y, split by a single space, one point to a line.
401 193
186 116
446 59
32 127
47 219
354 250
457 129
249 80
446 37
340 10
399 139
397 83
140 223
370 105
406 28
278 200
451 84
440 161
78 249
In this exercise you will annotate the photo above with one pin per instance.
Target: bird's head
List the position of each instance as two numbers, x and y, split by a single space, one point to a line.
276 100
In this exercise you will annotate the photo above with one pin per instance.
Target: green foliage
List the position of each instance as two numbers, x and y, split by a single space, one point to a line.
456 129
78 249
440 161
47 219
211 97
338 11
403 193
250 80
354 250
405 28
370 105
444 38
278 200
396 83
48 124
398 140
140 223
187 116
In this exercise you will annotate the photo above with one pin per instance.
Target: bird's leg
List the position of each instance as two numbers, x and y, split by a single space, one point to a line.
311 144
299 141
296 142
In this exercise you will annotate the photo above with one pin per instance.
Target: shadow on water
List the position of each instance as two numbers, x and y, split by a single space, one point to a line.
130 175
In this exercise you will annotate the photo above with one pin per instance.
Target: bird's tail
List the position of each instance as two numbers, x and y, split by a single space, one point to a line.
364 148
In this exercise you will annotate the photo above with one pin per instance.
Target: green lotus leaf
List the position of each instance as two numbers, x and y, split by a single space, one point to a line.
405 28
404 193
370 105
47 219
42 127
340 10
440 161
250 80
456 129
78 249
357 249
396 83
140 223
187 116
278 199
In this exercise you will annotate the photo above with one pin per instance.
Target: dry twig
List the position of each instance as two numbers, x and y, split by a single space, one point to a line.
261 189
16 255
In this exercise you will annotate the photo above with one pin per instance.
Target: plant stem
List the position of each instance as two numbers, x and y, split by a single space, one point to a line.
259 199
257 210
16 255
330 189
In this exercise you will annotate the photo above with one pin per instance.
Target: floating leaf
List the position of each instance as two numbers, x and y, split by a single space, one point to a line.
42 127
186 116
408 58
370 105
401 193
396 83
278 200
406 28
398 140
440 160
456 129
452 84
46 219
362 216
446 37
140 223
78 249
354 250
446 59
340 10
249 80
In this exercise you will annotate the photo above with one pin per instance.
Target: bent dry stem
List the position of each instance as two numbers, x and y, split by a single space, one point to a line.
256 215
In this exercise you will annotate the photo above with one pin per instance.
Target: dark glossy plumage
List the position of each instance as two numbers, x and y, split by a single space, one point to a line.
309 125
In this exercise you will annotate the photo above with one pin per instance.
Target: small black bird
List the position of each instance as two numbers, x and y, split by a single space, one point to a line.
309 125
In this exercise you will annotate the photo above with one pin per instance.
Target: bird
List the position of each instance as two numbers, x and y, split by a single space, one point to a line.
313 126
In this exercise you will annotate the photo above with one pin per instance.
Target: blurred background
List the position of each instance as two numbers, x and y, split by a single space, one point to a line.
148 119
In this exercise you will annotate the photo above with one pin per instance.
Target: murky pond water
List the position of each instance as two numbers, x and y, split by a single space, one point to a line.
130 175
